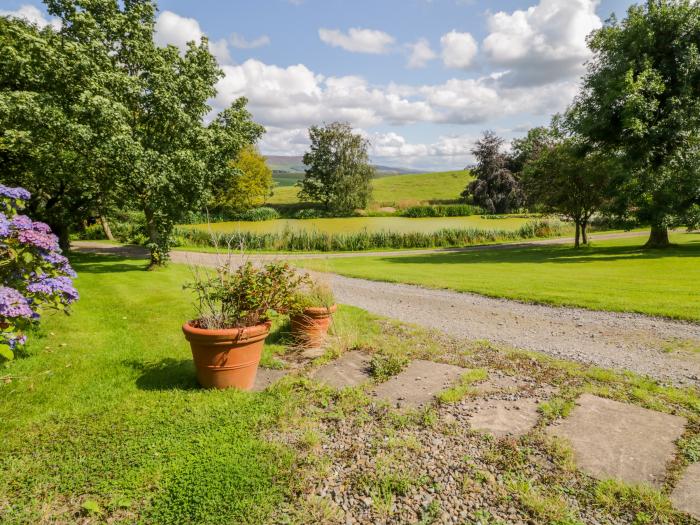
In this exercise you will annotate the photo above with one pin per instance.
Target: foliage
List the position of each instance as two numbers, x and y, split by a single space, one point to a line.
455 210
339 174
244 295
34 276
314 294
529 147
311 213
568 178
101 115
258 214
495 188
641 102
64 135
303 240
128 227
249 185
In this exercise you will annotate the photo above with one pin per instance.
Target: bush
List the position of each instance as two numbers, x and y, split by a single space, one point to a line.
310 213
293 240
456 210
257 214
34 276
127 227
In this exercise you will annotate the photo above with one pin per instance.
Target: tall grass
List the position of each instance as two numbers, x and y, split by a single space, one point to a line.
455 210
303 240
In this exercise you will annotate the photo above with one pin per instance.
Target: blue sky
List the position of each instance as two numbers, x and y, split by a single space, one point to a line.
421 78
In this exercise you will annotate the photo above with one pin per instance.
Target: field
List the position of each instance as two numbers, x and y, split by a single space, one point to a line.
663 283
370 224
397 189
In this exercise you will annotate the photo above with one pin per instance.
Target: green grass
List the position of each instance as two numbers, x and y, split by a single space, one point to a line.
399 190
616 275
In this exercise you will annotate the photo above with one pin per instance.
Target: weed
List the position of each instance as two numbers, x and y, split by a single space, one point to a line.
464 387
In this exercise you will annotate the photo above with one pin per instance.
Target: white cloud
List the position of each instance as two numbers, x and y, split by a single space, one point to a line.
544 43
176 30
33 15
447 152
242 42
458 49
421 54
358 40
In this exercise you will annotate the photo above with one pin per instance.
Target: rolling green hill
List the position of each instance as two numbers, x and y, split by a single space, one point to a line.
399 190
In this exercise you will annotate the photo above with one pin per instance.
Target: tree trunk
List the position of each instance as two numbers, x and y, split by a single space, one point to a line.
658 238
153 240
106 228
63 235
577 242
584 232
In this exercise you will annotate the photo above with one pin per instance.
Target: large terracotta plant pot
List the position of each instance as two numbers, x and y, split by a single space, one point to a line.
309 328
227 358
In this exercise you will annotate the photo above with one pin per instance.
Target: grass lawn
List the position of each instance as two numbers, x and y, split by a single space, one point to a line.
612 275
102 422
400 189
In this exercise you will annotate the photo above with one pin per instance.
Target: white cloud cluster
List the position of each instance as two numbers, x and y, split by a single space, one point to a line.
241 42
544 43
32 14
358 40
177 30
420 54
458 49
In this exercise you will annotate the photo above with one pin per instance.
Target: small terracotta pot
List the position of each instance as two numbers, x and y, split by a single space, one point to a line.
227 358
309 328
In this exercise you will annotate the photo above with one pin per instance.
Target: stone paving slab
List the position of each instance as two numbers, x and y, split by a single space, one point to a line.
350 369
504 418
418 384
266 377
686 495
619 440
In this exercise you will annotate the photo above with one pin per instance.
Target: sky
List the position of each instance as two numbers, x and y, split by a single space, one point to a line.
421 79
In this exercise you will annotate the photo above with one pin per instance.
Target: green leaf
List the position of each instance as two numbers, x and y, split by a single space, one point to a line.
6 352
91 507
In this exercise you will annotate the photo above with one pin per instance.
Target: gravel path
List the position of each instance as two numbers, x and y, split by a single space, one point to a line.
613 340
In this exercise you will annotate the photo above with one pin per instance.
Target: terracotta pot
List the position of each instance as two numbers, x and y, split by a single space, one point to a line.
227 358
310 327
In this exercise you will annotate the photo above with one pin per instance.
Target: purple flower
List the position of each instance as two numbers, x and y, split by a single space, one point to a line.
13 304
55 258
43 241
14 193
22 223
15 341
62 286
41 227
4 226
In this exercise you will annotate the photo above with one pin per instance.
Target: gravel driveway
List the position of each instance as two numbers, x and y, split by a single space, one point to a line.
663 349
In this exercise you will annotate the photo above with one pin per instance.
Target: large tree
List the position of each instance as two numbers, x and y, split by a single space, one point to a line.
249 185
64 135
495 188
154 151
641 101
338 173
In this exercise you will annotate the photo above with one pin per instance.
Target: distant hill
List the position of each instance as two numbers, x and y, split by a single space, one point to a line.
287 170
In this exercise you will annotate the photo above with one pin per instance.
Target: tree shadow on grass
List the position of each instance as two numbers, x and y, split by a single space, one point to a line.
553 254
166 374
100 264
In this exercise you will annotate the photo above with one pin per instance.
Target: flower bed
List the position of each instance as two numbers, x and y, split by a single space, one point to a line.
34 275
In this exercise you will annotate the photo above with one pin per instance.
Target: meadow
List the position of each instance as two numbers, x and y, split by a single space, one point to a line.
653 282
399 190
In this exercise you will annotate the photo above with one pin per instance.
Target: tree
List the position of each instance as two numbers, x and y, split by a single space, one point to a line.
567 178
63 134
249 186
641 101
339 174
495 188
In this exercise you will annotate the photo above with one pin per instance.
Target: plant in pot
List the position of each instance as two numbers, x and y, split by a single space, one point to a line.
312 314
234 305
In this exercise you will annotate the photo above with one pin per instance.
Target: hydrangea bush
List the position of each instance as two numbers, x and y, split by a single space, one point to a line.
34 275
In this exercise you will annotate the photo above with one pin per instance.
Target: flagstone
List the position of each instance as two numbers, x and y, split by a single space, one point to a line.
619 440
418 384
504 418
686 495
350 369
266 377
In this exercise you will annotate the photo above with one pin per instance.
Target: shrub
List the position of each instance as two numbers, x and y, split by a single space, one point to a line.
244 296
387 364
456 210
34 276
314 295
310 213
258 214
